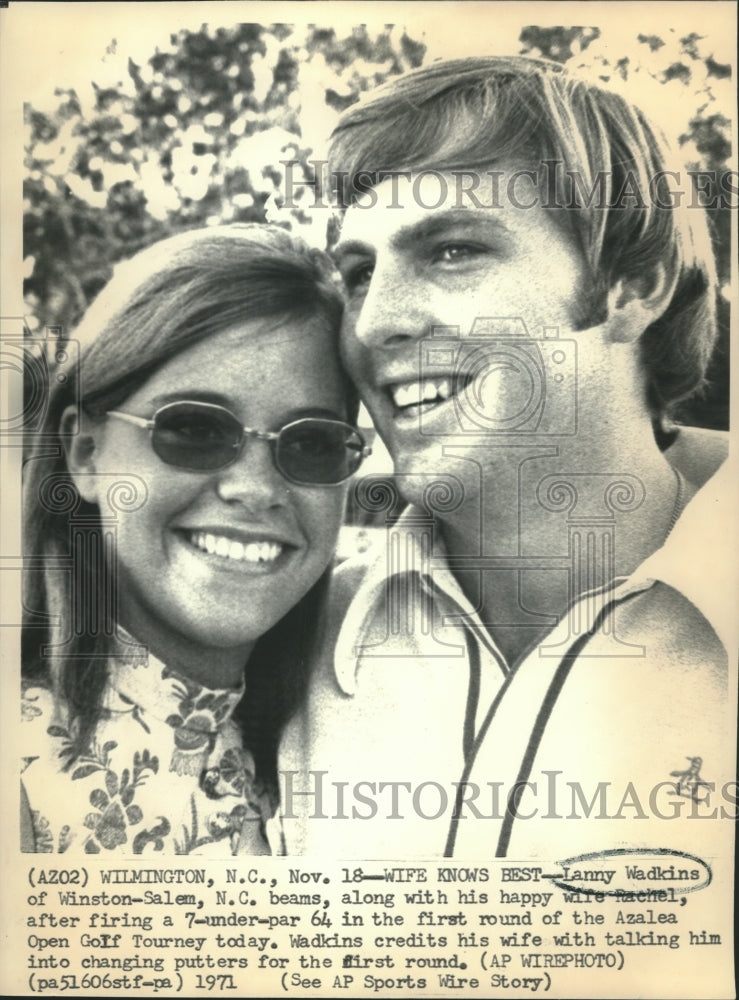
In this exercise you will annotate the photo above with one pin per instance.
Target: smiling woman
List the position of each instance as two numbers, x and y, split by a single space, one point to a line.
178 546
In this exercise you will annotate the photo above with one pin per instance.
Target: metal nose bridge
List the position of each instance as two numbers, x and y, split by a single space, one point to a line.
252 432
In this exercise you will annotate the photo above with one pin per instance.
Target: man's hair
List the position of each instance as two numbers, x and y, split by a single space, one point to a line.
469 114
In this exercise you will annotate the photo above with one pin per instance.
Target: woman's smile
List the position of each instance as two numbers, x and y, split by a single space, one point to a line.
234 550
239 550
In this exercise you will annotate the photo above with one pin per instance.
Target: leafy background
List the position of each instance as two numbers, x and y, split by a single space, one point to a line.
193 133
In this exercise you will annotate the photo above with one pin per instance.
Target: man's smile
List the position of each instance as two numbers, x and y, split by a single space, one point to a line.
420 393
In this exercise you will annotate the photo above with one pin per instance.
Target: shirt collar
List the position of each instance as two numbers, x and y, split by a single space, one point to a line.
693 561
154 688
442 585
698 557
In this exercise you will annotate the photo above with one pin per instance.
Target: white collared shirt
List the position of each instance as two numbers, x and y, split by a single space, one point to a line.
413 705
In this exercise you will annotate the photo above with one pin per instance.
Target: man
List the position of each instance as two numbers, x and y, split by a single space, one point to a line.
526 665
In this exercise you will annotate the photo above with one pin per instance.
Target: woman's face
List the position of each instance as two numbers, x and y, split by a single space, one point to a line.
211 560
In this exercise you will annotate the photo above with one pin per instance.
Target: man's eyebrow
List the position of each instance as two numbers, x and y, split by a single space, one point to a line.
348 247
428 226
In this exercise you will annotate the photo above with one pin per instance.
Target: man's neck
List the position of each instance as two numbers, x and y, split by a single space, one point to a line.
554 521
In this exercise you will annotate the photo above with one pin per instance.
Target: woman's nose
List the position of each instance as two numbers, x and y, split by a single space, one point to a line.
253 480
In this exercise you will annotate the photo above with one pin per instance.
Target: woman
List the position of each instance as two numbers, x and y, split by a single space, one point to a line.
182 503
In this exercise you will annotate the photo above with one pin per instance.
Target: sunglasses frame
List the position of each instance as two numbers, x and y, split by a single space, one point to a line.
271 437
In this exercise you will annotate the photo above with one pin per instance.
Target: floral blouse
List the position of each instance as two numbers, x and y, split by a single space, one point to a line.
165 772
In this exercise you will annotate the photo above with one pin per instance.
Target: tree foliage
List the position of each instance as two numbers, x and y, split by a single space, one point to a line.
197 134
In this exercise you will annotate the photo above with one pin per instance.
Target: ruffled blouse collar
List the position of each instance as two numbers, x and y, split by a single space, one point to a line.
141 680
151 692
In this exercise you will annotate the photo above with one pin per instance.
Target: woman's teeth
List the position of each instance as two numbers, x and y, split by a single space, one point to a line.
228 548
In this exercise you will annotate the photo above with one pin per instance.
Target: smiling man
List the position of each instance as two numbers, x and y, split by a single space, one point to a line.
529 298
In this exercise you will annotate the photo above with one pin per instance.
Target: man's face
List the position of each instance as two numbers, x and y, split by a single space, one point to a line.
409 270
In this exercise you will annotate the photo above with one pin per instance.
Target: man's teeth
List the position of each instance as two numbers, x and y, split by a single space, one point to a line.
421 391
228 548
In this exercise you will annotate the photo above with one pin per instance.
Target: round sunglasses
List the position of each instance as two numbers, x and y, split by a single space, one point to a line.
205 437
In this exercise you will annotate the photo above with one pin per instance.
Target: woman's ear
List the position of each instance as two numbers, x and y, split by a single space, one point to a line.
635 303
80 435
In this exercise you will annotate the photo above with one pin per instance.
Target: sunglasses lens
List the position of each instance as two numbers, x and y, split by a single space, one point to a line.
318 452
196 436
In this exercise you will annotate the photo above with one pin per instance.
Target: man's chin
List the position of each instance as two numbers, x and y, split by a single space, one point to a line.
436 476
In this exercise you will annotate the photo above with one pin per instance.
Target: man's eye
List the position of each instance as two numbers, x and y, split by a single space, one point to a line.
357 276
450 253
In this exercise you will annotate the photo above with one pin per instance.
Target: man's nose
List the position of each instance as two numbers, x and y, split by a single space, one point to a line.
394 310
253 480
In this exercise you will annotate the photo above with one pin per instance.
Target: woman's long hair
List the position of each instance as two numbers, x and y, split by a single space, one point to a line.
174 294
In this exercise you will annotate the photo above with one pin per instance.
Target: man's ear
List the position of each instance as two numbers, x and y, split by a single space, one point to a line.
80 435
634 303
